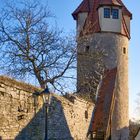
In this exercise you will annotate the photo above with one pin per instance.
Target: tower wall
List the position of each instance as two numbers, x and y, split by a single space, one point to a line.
115 54
94 52
120 120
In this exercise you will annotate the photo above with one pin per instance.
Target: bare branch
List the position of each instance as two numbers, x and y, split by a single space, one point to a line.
31 47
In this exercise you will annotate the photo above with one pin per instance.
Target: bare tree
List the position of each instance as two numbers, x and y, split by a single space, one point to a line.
31 47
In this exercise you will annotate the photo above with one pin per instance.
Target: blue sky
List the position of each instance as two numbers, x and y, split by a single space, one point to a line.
63 9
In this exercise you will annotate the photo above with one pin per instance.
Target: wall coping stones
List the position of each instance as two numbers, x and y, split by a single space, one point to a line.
18 84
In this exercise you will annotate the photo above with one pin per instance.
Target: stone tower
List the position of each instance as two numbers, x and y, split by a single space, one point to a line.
103 33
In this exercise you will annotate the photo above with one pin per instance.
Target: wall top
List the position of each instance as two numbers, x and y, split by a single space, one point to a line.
18 84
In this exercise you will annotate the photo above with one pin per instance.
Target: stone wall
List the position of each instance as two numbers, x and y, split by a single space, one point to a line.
134 130
22 114
70 119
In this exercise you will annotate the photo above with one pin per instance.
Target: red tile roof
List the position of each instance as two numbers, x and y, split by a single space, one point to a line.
92 22
125 10
109 2
104 104
83 7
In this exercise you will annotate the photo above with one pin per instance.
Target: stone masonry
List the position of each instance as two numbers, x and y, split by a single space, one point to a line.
22 114
115 55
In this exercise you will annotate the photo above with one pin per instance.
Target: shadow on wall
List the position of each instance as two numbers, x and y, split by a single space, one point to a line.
89 132
57 125
34 129
122 133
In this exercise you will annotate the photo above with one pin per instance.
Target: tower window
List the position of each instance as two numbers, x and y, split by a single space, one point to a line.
87 49
124 50
115 13
86 114
107 12
111 13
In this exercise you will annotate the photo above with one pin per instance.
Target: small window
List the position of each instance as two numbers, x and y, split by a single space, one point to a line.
86 114
87 49
124 50
106 12
115 13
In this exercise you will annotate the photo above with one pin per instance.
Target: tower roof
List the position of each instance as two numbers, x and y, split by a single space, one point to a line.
125 10
110 2
83 7
92 22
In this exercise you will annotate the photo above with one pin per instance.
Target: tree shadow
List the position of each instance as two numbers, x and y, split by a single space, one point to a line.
57 124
